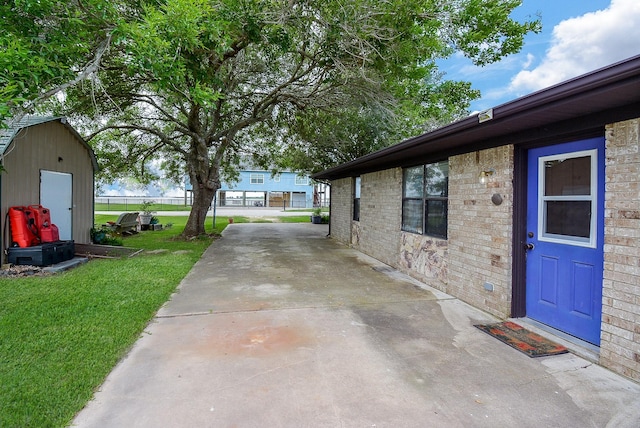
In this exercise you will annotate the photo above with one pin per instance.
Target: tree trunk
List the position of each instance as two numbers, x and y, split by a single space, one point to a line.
202 198
204 173
205 181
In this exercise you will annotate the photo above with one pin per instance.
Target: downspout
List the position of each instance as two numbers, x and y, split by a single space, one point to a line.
93 205
330 206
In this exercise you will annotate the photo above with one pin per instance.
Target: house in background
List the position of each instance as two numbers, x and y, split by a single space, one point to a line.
47 163
531 209
261 188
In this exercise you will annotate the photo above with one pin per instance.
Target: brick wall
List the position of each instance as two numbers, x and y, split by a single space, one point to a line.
341 209
620 339
480 231
381 215
478 250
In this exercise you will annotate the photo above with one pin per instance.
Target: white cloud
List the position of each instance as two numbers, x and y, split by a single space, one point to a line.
529 61
585 43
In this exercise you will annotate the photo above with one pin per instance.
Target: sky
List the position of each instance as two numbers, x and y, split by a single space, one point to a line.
578 36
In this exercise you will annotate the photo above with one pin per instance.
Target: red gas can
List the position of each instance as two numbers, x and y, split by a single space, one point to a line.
47 231
41 216
49 234
23 230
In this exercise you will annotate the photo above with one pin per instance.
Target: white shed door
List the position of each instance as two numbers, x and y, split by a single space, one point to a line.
56 190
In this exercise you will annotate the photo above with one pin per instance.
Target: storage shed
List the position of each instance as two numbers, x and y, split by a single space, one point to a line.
46 162
528 210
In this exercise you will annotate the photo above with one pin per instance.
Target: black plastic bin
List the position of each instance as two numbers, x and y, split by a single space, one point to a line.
46 254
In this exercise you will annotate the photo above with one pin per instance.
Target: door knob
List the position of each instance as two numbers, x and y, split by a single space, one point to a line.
529 246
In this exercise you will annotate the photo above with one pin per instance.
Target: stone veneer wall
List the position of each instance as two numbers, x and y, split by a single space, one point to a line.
425 258
480 231
380 215
620 338
355 234
341 209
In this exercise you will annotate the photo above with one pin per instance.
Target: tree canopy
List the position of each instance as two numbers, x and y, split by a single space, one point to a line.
47 46
202 84
319 139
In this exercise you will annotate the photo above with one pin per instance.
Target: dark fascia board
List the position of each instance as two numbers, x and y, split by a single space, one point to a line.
580 106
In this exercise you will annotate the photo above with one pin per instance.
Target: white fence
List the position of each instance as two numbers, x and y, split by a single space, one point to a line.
134 202
231 198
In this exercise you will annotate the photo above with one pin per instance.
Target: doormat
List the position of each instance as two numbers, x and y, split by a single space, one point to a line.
522 339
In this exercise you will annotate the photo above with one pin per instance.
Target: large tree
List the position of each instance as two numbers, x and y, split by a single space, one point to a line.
202 83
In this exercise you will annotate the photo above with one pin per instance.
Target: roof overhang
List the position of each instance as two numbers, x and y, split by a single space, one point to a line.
578 107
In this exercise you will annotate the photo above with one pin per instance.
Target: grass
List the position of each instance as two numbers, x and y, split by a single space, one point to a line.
295 219
177 224
61 335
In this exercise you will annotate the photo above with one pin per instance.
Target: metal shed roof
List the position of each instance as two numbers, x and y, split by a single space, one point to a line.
7 135
578 106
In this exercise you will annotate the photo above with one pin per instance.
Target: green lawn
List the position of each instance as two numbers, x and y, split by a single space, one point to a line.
295 219
61 335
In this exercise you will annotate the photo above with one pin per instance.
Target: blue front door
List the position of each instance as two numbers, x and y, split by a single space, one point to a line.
565 233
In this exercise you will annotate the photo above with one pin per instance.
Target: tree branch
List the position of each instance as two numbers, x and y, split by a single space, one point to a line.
88 70
165 139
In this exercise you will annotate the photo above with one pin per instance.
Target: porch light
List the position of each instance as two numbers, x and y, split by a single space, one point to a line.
484 175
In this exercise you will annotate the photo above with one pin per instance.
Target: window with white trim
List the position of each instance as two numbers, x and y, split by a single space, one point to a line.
256 178
302 180
568 192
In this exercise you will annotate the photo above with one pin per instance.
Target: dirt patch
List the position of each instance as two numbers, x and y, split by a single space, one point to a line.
264 220
263 340
17 271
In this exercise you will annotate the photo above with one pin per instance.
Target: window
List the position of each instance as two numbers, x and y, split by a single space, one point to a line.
567 189
356 199
256 178
302 180
425 193
276 178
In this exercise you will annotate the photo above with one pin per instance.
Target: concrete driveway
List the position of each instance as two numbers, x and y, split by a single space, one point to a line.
278 326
